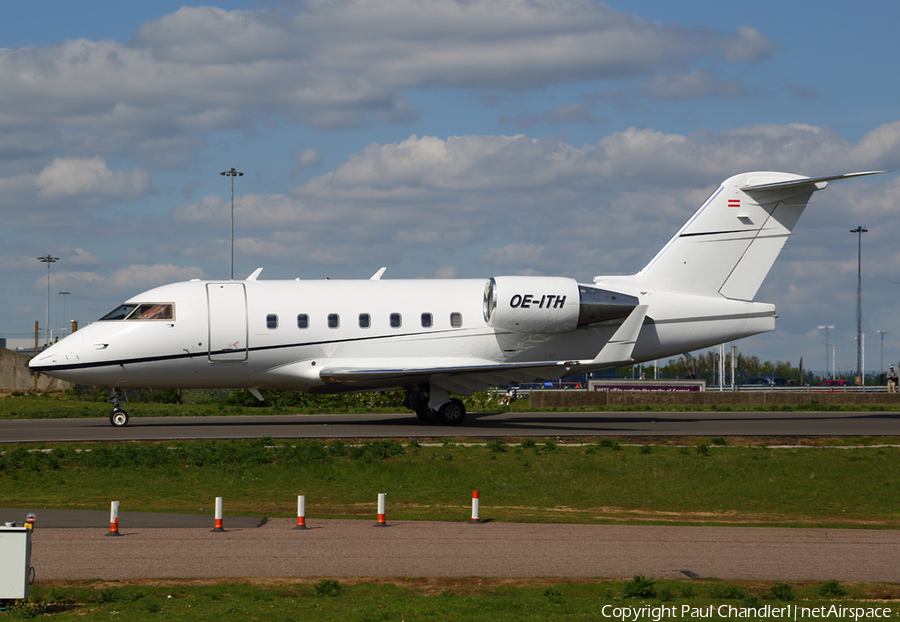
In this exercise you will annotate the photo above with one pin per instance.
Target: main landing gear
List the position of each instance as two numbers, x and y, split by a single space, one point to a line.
119 416
451 412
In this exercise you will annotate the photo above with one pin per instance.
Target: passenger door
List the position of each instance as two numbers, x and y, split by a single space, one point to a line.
227 322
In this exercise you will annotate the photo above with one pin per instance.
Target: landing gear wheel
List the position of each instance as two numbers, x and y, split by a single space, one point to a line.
453 412
119 418
424 413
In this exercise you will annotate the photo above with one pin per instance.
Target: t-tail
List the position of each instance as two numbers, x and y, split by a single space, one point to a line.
729 245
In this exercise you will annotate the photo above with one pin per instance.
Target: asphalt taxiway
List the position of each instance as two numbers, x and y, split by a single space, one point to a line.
406 425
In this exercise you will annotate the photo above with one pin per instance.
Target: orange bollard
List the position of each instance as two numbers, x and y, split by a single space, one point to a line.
218 526
381 522
301 513
475 519
114 519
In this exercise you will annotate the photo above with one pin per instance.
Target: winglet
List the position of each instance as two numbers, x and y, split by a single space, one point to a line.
377 275
620 347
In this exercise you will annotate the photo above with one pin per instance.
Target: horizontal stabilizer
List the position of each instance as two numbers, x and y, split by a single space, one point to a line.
806 181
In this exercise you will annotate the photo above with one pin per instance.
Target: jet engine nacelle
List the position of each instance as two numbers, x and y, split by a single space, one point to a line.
531 304
550 304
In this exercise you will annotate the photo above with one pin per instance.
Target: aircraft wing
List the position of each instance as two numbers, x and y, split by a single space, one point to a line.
463 377
467 376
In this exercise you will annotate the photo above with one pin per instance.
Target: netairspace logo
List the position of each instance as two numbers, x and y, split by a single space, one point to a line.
786 612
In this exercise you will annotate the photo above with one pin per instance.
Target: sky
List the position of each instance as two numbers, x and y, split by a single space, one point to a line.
442 138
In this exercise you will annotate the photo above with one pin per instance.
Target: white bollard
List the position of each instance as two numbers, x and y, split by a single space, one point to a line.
381 522
114 519
219 507
301 513
475 519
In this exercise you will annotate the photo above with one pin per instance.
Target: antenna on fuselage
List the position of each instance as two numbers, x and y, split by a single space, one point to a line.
255 274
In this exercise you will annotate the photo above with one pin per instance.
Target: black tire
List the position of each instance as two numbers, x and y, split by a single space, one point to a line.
453 412
424 413
119 418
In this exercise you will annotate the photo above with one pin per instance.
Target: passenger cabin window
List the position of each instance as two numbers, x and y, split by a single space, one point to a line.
364 320
395 320
143 311
456 320
427 320
302 321
271 321
334 320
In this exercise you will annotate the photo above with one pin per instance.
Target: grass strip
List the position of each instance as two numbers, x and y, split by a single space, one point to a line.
463 599
533 481
20 405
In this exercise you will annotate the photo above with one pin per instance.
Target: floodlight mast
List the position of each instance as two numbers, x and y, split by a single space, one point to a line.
47 259
64 294
826 347
859 231
232 173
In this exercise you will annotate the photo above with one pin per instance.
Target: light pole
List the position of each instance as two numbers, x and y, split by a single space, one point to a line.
232 173
47 259
882 333
859 231
826 347
834 357
64 294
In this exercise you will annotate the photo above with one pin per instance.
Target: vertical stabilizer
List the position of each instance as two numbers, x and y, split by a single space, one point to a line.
729 245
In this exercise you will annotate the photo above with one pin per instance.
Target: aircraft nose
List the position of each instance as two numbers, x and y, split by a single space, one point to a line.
54 355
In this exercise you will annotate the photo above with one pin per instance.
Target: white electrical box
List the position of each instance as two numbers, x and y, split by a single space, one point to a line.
15 562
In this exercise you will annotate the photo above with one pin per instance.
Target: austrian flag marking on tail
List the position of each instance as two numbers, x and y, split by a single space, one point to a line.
734 202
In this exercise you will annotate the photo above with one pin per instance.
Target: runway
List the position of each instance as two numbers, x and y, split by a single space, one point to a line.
406 425
354 548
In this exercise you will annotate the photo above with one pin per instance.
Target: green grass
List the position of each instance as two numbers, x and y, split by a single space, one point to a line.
421 600
19 405
542 481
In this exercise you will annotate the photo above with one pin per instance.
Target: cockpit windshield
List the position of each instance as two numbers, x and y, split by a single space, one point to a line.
143 311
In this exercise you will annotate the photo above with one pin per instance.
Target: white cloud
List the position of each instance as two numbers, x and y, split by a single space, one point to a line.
513 256
70 279
126 281
81 257
512 44
72 177
328 64
446 272
307 158
145 276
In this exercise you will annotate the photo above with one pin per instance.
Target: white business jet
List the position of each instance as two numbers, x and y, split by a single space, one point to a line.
434 338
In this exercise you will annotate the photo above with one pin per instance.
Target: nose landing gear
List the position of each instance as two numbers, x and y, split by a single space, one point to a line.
119 416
